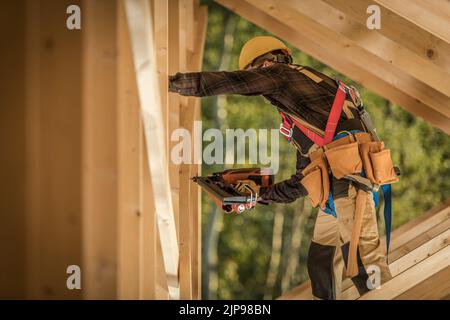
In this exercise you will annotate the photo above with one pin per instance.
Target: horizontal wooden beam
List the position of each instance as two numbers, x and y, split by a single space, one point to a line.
431 15
411 277
399 42
434 288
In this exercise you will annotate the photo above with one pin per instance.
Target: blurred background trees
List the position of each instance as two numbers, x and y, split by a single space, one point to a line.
262 253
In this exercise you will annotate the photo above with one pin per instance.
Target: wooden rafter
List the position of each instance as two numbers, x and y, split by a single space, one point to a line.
431 15
412 276
399 43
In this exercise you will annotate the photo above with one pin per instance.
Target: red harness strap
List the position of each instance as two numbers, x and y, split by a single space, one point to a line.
332 122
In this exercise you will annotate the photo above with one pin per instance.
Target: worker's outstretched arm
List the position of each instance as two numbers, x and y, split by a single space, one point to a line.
246 82
288 190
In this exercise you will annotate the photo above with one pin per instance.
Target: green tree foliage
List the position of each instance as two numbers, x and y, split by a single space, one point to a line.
236 264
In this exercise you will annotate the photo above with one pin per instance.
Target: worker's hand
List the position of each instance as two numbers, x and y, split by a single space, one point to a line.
182 83
172 82
247 187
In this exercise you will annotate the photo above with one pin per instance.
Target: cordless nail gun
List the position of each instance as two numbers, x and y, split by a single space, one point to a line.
221 186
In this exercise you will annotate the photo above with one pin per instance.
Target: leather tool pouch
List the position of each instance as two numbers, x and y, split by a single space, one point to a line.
377 163
344 160
316 180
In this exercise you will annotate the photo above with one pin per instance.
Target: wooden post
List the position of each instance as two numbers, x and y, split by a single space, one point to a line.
12 144
144 56
99 132
129 170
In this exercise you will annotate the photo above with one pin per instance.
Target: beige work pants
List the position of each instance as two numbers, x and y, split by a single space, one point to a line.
329 249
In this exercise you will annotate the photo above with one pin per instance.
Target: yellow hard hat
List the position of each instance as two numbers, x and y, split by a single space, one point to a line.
258 46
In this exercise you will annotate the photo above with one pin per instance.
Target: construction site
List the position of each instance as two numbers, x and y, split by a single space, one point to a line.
87 124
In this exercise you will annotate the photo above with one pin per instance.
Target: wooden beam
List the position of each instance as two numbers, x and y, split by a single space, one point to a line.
129 169
434 288
434 21
419 240
33 151
201 16
173 106
411 230
54 226
399 42
186 119
13 137
99 134
144 57
412 277
420 253
320 50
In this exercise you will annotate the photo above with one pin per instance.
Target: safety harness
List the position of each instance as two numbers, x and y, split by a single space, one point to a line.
291 125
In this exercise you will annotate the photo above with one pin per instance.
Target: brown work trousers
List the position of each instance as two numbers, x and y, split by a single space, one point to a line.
328 252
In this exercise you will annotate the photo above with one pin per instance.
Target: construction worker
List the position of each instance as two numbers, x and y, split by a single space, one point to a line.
307 100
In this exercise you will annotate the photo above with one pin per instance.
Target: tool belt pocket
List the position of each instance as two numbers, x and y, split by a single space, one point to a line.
344 160
377 163
317 182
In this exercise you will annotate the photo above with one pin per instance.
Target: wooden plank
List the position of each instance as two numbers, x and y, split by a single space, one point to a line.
375 82
419 240
148 231
144 57
435 287
420 253
99 133
161 21
436 23
301 15
33 151
59 221
411 277
399 42
129 173
12 143
186 118
161 9
405 235
174 104
437 214
201 16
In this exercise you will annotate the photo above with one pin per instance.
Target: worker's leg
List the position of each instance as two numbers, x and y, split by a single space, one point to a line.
325 259
371 255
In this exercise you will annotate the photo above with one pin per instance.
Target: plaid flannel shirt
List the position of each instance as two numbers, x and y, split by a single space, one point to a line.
286 88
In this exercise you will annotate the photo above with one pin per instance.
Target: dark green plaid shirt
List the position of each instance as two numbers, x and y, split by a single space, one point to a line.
286 88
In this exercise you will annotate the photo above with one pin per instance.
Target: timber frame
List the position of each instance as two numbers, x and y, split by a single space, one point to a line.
86 173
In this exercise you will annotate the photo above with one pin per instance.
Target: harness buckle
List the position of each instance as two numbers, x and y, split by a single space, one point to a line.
287 132
355 96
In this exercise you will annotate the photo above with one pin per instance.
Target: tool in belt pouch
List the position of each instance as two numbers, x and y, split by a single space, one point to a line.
316 180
